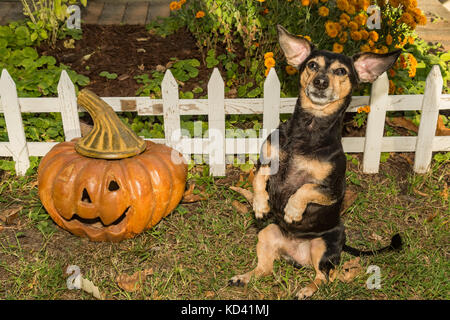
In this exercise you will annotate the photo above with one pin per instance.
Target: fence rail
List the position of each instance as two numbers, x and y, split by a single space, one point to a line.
217 146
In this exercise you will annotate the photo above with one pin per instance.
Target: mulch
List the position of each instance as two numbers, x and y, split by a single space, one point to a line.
128 51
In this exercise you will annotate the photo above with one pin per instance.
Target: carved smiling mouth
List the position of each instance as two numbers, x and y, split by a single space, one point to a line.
97 222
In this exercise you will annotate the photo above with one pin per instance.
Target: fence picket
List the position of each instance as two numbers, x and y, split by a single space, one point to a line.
14 125
67 101
271 111
171 111
216 124
428 120
379 100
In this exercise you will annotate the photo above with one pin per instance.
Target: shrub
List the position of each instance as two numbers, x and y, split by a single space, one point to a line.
339 26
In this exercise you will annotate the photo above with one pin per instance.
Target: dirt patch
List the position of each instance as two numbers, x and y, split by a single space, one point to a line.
128 51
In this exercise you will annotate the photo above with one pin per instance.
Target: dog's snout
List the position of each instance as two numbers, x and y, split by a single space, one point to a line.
321 82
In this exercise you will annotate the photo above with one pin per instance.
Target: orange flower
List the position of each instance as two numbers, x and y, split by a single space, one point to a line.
343 23
200 14
181 2
265 11
363 4
361 19
391 73
323 11
411 40
268 55
384 49
412 60
332 28
351 10
305 37
269 62
343 37
365 48
373 35
344 16
338 48
364 34
355 35
256 44
267 72
290 70
365 109
261 0
391 87
305 3
174 6
352 25
342 4
388 39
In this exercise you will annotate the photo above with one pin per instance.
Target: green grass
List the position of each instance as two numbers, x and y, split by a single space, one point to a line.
196 249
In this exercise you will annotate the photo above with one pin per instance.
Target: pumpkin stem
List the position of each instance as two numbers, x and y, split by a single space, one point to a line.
110 138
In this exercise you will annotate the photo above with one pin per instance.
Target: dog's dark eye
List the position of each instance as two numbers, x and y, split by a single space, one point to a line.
313 66
340 72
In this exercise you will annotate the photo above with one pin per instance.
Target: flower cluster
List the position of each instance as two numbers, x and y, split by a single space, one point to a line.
365 109
269 62
176 5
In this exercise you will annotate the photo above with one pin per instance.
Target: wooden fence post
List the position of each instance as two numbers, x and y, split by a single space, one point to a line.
68 107
428 120
379 100
171 110
14 126
216 124
271 113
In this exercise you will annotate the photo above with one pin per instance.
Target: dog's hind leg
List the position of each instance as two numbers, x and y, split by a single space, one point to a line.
318 249
268 249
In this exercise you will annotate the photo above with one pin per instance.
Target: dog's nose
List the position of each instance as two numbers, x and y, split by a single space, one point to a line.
321 82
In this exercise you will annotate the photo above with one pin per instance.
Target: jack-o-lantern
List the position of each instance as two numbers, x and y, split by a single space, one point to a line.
110 184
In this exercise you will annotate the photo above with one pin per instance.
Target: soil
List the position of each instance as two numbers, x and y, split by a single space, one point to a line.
128 51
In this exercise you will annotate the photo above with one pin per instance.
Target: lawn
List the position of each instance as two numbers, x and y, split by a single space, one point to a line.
193 252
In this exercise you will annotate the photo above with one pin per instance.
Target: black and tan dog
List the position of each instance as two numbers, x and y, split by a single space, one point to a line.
305 194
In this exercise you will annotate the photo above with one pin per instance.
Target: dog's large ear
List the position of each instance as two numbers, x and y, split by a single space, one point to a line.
295 49
369 66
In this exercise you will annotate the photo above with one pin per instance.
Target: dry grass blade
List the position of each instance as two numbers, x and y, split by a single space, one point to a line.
133 282
403 123
240 207
244 192
349 199
350 270
9 215
441 129
190 197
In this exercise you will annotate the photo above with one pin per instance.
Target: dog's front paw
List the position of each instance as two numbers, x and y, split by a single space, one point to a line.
239 280
293 213
261 205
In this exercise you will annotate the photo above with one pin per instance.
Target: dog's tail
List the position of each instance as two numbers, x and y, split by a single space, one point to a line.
396 244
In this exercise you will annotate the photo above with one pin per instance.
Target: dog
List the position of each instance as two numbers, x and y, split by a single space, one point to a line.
305 194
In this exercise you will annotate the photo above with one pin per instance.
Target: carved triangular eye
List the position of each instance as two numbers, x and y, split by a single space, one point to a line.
113 186
85 196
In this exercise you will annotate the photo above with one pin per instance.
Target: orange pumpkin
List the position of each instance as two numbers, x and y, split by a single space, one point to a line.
110 200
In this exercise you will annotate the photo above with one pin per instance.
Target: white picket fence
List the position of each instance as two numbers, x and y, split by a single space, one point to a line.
217 146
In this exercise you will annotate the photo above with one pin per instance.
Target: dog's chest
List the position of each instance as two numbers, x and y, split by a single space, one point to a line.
295 171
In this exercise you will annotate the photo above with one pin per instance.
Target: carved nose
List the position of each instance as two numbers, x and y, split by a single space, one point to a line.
321 82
